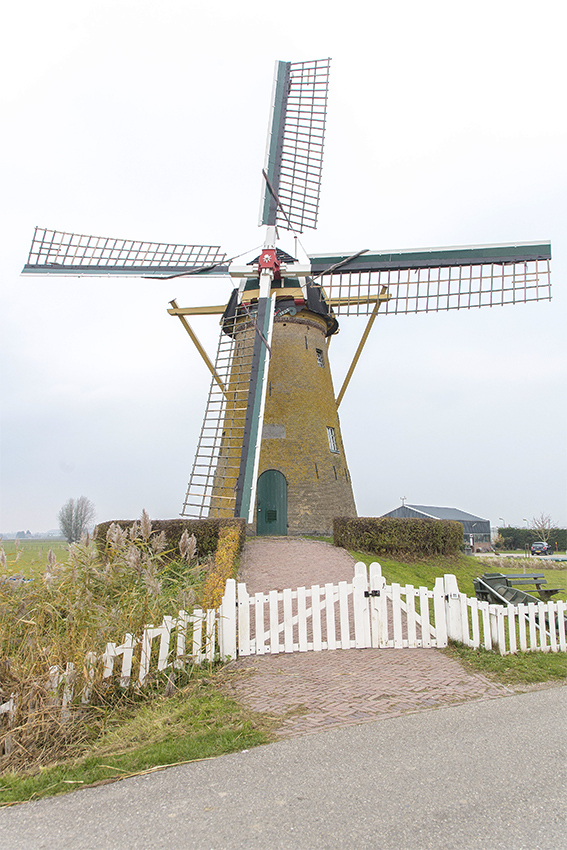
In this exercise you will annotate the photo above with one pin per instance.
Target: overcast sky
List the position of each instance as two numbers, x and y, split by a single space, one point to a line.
147 120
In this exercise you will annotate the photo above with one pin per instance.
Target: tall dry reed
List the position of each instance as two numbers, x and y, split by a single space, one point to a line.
70 612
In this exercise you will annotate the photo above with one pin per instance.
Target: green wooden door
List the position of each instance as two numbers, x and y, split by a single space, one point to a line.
271 503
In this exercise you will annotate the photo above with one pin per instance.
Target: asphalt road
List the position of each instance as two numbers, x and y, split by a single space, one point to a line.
483 775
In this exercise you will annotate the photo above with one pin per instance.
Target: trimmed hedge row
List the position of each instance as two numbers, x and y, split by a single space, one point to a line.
519 538
225 566
206 531
397 536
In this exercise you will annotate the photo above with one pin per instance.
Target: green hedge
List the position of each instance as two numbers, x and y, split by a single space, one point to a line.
206 532
519 538
397 536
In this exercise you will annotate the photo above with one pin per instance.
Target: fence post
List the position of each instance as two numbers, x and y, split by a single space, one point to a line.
453 608
182 620
561 609
439 613
497 631
90 669
243 620
210 643
197 619
108 660
552 630
9 708
227 622
127 650
376 583
361 607
68 690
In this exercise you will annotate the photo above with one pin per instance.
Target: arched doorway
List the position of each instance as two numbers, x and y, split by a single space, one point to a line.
271 503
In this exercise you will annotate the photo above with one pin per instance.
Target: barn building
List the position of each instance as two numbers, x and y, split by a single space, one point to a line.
476 530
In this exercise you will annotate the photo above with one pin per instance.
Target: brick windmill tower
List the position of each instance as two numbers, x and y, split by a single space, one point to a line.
270 448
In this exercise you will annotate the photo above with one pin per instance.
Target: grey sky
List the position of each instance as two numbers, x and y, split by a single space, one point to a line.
148 120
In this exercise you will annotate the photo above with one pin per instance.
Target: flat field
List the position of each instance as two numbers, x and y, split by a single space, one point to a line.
29 557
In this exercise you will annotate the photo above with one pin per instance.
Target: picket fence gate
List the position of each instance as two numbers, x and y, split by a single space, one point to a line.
350 615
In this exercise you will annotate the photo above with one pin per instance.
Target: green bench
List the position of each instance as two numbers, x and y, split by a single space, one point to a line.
505 586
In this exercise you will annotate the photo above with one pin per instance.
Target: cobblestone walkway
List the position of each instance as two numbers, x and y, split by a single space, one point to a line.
307 692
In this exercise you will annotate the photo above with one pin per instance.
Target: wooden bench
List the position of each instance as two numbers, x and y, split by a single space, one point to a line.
512 579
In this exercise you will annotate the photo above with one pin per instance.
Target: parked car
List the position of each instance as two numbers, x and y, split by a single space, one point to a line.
541 548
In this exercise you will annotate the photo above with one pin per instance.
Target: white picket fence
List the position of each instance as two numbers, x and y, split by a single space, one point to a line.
360 614
177 642
536 627
370 613
185 639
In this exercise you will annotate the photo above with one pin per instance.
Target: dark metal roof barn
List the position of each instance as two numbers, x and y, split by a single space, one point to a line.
475 525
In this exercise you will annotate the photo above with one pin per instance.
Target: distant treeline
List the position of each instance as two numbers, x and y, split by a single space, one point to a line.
519 538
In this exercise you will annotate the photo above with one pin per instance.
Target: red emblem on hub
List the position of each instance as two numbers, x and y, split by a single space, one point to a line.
268 260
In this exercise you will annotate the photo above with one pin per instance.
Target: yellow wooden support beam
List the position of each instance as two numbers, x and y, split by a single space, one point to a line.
381 298
211 310
198 345
343 301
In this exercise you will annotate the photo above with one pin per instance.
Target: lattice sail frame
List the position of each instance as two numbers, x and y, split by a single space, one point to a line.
76 254
434 290
438 280
294 155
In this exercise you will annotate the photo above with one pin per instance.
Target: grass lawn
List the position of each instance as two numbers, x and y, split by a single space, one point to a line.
523 668
32 558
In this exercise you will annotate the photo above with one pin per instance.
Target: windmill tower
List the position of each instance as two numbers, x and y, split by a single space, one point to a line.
270 447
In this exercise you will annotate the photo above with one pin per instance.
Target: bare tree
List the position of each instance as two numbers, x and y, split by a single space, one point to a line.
542 526
75 517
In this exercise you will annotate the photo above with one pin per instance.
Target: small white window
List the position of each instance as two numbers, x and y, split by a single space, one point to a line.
320 357
332 439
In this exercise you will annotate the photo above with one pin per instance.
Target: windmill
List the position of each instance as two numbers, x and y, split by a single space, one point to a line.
270 448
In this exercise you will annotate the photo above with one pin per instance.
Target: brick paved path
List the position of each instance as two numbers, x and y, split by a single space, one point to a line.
306 692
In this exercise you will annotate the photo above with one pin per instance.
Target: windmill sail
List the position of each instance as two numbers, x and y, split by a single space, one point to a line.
294 155
439 279
57 252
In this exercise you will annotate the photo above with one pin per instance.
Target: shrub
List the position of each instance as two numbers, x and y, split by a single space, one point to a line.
398 537
206 532
512 538
225 566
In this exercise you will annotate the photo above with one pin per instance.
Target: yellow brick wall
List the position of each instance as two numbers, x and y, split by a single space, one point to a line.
300 402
